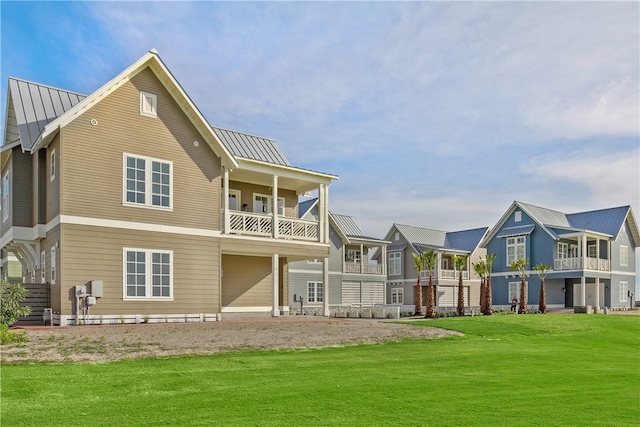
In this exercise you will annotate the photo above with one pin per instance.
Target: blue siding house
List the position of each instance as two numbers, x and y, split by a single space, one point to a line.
592 255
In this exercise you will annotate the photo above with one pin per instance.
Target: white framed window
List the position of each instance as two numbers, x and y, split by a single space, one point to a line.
314 261
514 290
43 264
397 296
148 182
624 256
517 217
395 263
262 204
563 250
573 251
53 265
148 274
5 196
624 291
444 263
314 292
396 237
148 104
591 251
353 255
515 249
52 165
234 200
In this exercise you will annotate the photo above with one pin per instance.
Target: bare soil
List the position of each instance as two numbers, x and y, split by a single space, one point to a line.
117 342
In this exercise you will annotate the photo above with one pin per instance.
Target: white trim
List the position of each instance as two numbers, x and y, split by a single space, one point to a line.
153 101
138 226
269 204
52 165
54 272
254 309
148 204
238 196
43 264
6 195
623 273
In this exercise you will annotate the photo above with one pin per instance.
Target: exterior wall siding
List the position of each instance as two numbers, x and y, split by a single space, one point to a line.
96 253
247 281
52 199
22 189
92 159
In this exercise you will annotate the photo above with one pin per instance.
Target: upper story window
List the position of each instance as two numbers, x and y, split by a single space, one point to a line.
53 265
353 255
5 196
148 274
396 237
517 216
624 256
563 250
52 162
148 104
263 204
148 182
234 200
395 263
592 251
515 249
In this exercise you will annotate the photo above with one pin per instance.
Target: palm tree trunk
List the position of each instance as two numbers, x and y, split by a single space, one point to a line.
482 291
488 298
418 297
430 300
543 304
523 297
460 296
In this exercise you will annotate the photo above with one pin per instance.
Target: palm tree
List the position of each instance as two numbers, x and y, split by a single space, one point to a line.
430 262
521 266
419 263
481 270
459 261
488 294
542 270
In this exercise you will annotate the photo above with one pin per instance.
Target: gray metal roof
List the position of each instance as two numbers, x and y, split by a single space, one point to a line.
304 206
31 106
516 231
546 216
349 228
251 147
422 236
607 221
467 240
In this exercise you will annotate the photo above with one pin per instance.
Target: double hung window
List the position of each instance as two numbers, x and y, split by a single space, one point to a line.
515 249
148 182
395 263
148 274
314 292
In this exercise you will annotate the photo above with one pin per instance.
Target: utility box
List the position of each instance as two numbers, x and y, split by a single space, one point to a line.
95 288
91 301
81 291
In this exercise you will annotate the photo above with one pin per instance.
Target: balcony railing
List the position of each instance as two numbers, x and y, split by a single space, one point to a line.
597 264
359 268
257 224
445 274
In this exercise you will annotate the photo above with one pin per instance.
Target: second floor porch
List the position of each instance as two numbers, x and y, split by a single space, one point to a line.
583 251
444 274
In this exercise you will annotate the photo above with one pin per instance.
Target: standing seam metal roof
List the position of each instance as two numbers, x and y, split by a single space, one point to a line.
251 146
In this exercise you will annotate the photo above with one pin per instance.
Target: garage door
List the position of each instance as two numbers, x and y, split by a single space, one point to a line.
448 296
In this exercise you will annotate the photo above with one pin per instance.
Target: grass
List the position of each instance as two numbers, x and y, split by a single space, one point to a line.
507 370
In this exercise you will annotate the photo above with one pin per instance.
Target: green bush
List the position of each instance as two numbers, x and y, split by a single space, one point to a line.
9 337
11 295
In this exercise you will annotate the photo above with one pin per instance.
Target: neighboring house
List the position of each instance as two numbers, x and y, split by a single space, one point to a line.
10 268
131 196
402 276
592 255
354 279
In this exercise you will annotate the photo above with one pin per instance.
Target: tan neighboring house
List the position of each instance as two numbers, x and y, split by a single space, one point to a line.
133 208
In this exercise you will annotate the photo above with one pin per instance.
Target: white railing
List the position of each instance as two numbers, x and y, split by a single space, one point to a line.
357 267
445 274
257 224
576 264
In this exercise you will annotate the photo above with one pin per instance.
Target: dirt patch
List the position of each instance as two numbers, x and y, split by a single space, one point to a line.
116 342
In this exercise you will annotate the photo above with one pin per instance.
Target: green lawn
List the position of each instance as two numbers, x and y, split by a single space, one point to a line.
507 370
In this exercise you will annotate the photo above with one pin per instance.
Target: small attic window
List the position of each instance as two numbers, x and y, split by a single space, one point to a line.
397 236
518 216
148 104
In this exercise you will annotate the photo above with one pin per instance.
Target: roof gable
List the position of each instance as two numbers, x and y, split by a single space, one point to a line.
306 206
467 240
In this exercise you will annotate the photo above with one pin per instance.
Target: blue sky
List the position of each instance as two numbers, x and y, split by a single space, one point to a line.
437 114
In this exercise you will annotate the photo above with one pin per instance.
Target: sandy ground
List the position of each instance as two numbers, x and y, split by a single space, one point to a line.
116 342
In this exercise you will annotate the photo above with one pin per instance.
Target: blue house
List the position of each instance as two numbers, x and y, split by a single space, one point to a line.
592 255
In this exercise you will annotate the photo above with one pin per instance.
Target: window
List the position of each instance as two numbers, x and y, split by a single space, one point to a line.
43 262
624 291
53 164
314 261
397 296
563 250
314 292
395 263
148 104
262 204
53 265
444 263
514 290
234 200
591 251
148 274
148 182
353 255
517 216
397 236
624 256
515 249
5 197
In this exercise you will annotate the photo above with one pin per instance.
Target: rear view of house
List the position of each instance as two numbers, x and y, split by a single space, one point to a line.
129 205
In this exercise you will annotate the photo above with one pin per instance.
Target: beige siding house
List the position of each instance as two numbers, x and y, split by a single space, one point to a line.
131 207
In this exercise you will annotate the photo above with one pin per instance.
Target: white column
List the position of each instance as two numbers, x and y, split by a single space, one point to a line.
275 272
326 214
325 286
584 252
597 304
583 296
321 205
384 260
225 202
438 264
274 196
609 254
361 259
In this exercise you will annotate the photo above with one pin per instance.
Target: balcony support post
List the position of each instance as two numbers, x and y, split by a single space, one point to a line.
326 312
597 304
226 227
583 295
274 196
361 258
275 270
383 260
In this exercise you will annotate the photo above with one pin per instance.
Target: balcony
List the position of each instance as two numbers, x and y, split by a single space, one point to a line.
256 224
445 274
359 268
590 263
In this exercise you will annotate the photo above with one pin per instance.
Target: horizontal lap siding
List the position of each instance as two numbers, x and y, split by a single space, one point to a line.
247 281
264 247
93 159
96 253
247 191
52 199
22 188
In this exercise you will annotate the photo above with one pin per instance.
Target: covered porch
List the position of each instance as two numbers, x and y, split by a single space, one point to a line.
583 250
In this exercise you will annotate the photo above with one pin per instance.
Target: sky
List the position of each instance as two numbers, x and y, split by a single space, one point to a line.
437 114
